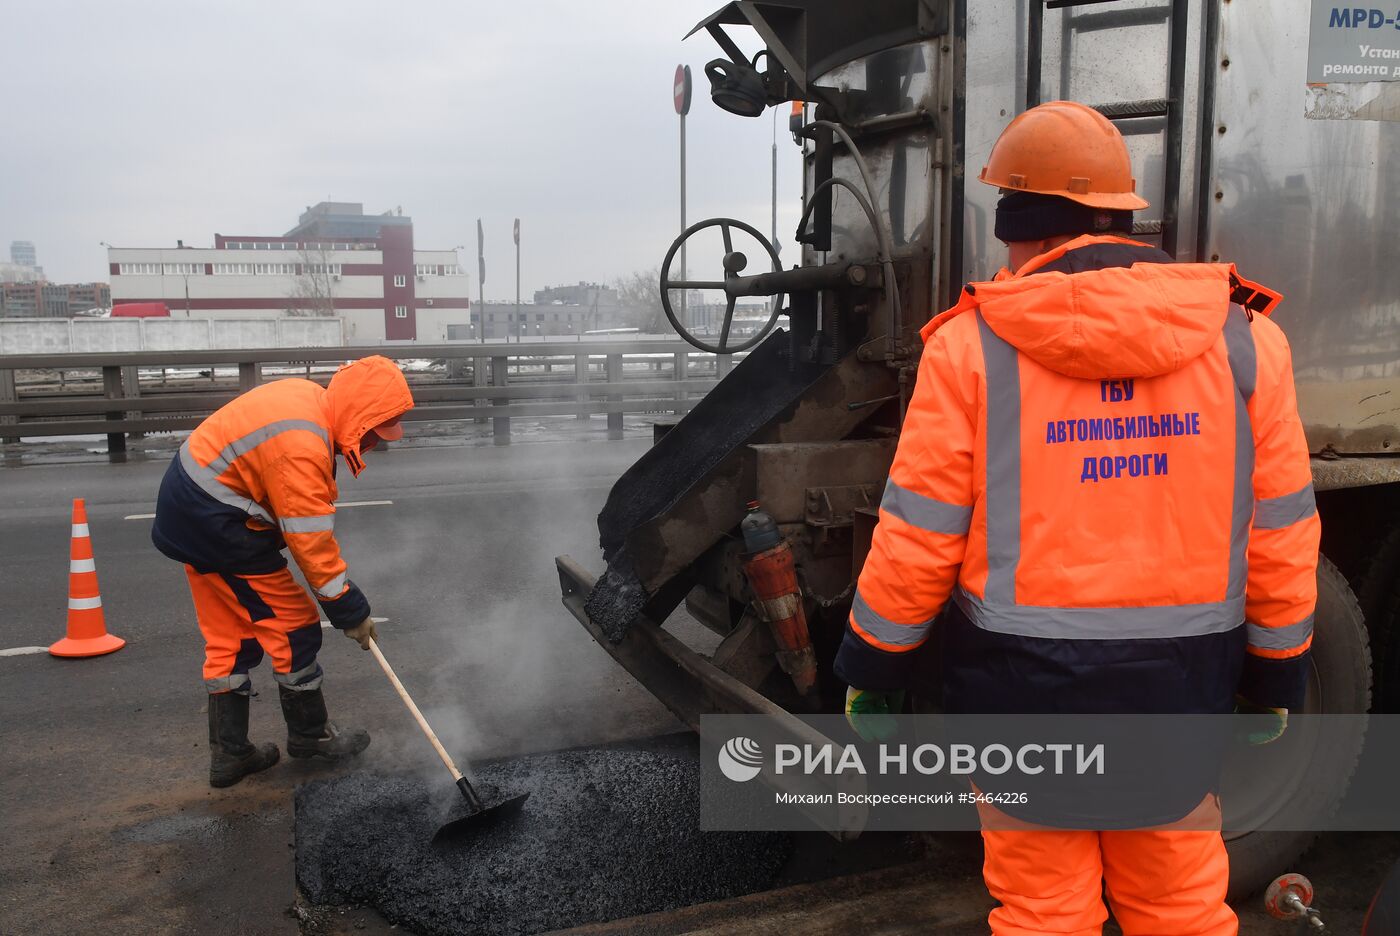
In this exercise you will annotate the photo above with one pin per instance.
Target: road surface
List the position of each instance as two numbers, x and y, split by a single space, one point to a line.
109 821
109 825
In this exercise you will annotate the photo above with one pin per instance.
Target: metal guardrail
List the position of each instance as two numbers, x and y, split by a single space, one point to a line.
479 382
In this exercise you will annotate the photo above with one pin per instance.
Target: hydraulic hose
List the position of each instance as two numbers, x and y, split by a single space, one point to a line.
877 221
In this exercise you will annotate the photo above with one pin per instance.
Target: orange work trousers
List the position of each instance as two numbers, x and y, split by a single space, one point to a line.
244 616
1160 882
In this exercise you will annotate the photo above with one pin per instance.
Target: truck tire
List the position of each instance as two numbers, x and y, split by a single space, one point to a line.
1340 683
1378 591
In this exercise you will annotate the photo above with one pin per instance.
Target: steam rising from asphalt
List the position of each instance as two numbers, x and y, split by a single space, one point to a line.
512 671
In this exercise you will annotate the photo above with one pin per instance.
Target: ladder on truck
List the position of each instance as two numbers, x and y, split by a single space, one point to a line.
1164 115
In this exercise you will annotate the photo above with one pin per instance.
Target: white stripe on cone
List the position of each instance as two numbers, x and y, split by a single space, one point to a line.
82 565
84 604
80 529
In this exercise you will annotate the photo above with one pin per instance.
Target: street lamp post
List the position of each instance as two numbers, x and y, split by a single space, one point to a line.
481 280
519 323
681 93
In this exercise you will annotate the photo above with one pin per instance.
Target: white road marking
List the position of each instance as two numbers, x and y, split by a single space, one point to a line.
339 504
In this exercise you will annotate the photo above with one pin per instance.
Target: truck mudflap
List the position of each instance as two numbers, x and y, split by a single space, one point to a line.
690 686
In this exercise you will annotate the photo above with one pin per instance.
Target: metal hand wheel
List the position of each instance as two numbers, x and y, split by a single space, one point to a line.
734 263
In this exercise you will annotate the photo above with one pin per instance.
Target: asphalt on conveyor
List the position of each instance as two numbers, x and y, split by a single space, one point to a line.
755 393
608 832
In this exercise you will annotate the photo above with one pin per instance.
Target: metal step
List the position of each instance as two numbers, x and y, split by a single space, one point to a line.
1147 227
1141 126
1113 19
1129 110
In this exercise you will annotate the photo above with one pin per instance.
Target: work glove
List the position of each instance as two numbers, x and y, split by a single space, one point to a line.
1263 730
871 712
363 632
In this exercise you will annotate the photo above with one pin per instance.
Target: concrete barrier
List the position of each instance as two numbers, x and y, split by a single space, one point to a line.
246 333
35 336
99 335
309 333
177 334
109 335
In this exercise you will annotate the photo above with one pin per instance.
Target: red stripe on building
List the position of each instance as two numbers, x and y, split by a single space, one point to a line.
396 247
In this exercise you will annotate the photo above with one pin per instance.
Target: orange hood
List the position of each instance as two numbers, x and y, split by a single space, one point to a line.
1144 320
361 395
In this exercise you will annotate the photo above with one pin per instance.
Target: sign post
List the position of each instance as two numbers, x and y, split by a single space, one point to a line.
681 95
480 282
519 325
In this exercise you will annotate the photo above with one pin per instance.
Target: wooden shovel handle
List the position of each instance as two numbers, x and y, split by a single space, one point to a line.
417 715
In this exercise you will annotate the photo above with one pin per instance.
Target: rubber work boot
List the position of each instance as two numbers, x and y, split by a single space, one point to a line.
231 756
311 733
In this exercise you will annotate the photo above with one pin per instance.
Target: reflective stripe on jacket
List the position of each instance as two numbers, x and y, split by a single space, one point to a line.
1102 465
259 475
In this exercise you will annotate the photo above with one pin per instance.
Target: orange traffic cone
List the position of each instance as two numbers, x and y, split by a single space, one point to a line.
87 629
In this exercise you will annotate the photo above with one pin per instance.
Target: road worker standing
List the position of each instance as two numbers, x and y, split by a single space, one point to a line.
1103 467
257 477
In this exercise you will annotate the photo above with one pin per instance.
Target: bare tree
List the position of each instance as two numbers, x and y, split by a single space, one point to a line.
639 295
313 288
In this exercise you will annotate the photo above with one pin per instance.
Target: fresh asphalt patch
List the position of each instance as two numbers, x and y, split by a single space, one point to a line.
608 832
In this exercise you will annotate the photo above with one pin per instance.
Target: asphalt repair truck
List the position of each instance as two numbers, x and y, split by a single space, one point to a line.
1267 135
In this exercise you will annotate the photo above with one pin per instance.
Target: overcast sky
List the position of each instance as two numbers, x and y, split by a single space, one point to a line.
139 123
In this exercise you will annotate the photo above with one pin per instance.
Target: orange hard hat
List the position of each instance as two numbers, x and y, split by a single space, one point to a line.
1067 149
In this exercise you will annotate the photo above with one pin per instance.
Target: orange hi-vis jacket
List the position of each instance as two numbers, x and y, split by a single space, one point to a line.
258 476
1102 465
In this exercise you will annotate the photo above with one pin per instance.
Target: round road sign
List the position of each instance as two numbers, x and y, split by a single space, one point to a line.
682 90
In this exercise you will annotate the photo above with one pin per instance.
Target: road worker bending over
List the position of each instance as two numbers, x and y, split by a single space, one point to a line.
1103 467
257 477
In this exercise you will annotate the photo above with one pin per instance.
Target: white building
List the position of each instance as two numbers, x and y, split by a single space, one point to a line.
337 261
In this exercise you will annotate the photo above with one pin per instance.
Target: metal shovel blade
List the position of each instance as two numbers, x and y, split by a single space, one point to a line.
480 820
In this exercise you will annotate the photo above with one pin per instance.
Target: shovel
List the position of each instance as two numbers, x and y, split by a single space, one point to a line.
479 816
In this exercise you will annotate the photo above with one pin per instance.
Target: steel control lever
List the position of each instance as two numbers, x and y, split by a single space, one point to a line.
1290 897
